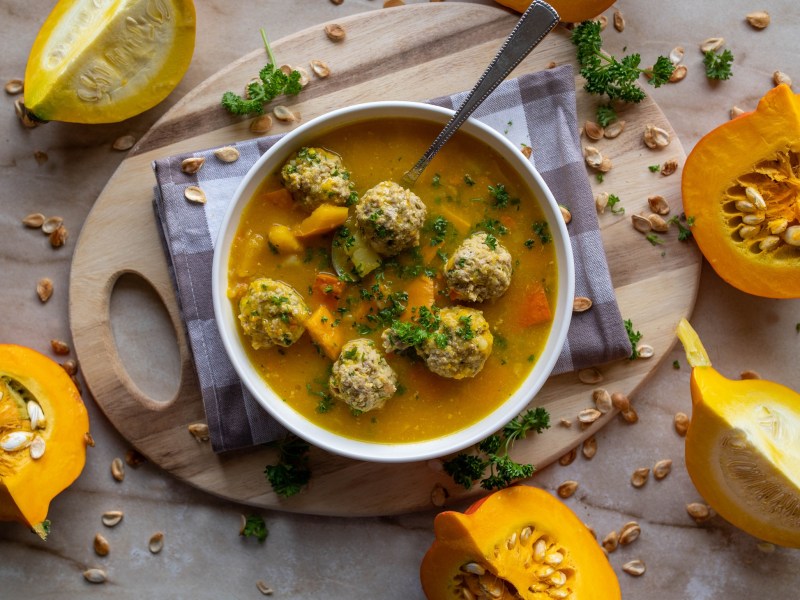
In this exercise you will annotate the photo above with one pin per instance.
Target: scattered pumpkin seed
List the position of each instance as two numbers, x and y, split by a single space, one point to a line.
33 220
662 468
565 214
611 541
261 586
766 547
40 157
656 137
711 44
156 543
589 448
565 423
646 350
59 347
335 32
657 223
749 374
581 304
44 289
393 3
593 130
619 21
283 113
14 87
227 154
635 568
681 423
759 19
320 68
779 77
37 447
118 469
620 401
601 201
337 2
679 74
88 439
22 114
261 124
526 151
59 237
111 518
304 79
641 224
101 545
614 129
630 415
199 431
589 415
640 476
676 55
568 458
602 400
592 376
134 459
438 496
699 512
192 164
735 112
124 142
669 167
567 489
595 159
50 224
94 575
194 194
629 533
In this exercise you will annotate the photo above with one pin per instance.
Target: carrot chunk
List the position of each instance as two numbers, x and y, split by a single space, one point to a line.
535 307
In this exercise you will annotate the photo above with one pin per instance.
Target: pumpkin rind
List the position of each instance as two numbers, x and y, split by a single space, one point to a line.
570 11
758 150
28 485
491 534
106 64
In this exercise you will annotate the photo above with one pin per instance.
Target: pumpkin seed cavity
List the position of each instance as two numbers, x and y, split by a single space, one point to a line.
21 416
761 210
543 558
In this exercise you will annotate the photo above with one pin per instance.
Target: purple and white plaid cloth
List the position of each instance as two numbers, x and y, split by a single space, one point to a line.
541 110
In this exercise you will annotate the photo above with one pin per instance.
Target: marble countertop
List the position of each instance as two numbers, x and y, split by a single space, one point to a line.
321 557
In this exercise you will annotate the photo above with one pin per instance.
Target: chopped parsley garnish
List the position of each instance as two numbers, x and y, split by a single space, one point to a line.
684 233
613 200
439 228
605 116
718 65
654 239
501 197
255 526
436 180
634 336
465 331
288 476
529 243
600 177
654 168
469 180
541 229
493 226
491 241
676 364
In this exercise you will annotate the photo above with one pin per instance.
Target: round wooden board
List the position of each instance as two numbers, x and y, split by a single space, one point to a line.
407 53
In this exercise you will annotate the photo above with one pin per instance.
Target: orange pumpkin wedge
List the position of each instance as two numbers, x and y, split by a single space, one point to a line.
571 11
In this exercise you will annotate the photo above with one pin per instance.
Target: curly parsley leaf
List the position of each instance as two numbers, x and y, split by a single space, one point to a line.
634 336
255 526
718 65
684 231
291 472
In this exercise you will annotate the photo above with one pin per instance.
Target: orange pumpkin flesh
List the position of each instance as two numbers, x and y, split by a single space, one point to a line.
570 11
27 484
741 185
517 543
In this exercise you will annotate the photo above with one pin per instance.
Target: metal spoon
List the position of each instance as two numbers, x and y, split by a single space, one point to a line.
534 24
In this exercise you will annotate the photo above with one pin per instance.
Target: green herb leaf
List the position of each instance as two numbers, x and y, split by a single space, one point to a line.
613 200
718 65
255 526
634 336
291 472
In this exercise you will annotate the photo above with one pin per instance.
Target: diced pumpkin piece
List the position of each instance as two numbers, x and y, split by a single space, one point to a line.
254 244
420 293
281 198
535 307
282 238
323 332
324 219
327 289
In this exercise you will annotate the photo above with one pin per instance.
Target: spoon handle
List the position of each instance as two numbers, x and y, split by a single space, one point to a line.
534 24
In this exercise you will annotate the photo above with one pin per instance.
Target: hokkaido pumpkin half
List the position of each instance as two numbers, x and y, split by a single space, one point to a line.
517 543
571 11
743 448
741 185
102 61
43 435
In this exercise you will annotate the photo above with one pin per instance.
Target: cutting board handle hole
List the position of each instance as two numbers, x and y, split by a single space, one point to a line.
145 339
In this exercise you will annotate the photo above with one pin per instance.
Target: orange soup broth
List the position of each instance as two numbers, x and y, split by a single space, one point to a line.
454 186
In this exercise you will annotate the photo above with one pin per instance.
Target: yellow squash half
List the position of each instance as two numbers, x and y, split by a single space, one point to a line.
743 448
102 61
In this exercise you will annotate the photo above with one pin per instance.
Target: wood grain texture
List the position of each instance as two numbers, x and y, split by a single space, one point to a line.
408 53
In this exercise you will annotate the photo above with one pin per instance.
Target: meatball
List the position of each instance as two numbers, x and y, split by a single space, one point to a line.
461 346
361 377
390 218
479 269
316 176
272 313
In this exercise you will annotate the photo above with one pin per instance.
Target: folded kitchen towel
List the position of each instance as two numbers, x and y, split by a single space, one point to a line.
537 110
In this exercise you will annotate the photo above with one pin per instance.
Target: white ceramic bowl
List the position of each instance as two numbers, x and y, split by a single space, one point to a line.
390 452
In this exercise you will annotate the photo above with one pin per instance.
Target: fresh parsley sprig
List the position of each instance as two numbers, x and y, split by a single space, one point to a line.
255 526
291 473
466 469
634 336
718 65
273 82
615 78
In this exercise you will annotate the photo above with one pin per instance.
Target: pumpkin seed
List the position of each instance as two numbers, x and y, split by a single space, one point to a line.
619 21
59 347
194 194
629 533
320 68
792 235
699 512
16 440
44 289
261 586
679 74
558 578
192 165
589 415
640 476
393 3
101 545
735 112
37 447
745 206
261 124
118 469
581 304
603 20
646 350
565 423
59 237
669 167
156 543
630 416
620 401
124 142
771 242
614 129
14 87
227 154
525 534
35 414
634 567
438 496
589 448
593 157
676 55
777 226
33 220
759 19
656 137
765 547
755 197
526 151
662 468
511 541
749 231
568 458
593 130
681 423
602 400
565 214
335 32
22 114
554 559
658 205
641 224
592 376
304 79
40 157
199 431
611 541
88 439
133 459
601 201
282 113
657 223
50 224
94 575
753 218
111 518
711 44
567 489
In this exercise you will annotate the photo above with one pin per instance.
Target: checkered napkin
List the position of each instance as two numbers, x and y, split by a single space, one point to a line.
536 109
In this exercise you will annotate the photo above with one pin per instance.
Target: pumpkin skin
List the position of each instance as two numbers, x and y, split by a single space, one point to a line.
480 540
27 485
121 59
743 448
570 11
759 150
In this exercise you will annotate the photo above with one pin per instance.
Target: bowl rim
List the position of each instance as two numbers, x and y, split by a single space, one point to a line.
390 452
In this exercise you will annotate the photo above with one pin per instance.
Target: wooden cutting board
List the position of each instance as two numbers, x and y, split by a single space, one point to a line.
407 53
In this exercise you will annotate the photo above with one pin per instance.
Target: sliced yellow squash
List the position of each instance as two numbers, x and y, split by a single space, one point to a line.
103 61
